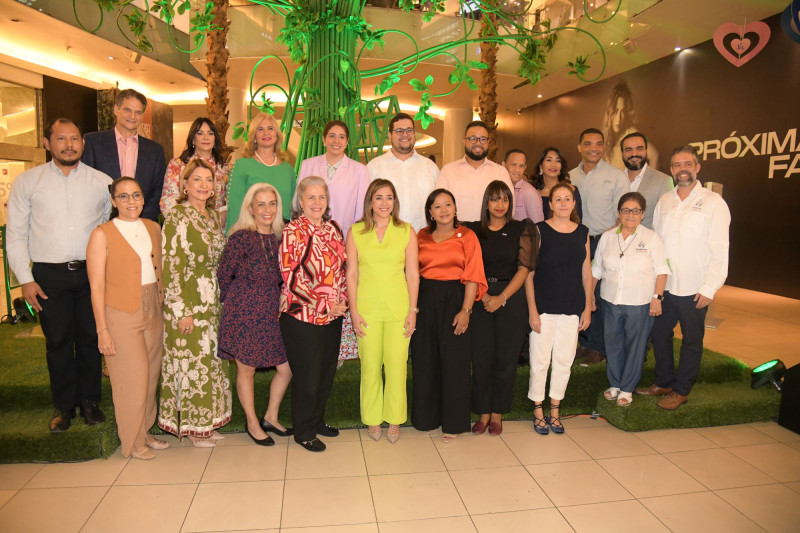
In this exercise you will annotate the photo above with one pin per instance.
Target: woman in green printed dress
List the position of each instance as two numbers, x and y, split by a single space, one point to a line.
195 391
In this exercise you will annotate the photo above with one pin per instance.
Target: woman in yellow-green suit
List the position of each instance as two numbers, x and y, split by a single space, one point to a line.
382 287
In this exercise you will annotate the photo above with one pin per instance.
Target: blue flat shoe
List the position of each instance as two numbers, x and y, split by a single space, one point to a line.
539 424
555 421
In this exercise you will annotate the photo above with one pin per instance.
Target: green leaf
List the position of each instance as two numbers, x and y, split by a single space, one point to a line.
344 65
478 65
429 80
238 130
342 111
417 85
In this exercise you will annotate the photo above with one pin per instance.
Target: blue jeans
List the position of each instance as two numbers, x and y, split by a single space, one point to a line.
626 329
592 337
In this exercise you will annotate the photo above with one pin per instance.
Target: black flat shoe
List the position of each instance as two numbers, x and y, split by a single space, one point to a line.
326 431
313 445
263 442
61 421
267 426
92 414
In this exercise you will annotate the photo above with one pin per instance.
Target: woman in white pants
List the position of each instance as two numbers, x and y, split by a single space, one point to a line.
561 289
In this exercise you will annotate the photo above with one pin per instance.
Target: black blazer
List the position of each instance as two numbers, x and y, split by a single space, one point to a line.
100 152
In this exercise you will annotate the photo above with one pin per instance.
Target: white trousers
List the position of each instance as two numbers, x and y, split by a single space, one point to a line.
558 340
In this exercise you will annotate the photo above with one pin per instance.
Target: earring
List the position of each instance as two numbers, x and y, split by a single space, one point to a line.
186 192
212 194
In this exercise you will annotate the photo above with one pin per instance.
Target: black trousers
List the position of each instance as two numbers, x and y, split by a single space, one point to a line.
496 343
440 360
73 358
675 309
592 337
312 352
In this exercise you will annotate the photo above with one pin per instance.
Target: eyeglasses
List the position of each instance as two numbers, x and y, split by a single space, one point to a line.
634 211
475 140
403 131
125 197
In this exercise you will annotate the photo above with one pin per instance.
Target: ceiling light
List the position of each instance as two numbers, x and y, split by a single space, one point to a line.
677 48
111 57
538 96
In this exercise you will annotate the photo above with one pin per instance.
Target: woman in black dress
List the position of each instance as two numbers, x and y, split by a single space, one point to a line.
552 169
249 284
509 248
562 304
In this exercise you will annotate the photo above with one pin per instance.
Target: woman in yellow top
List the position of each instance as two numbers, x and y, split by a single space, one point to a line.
382 287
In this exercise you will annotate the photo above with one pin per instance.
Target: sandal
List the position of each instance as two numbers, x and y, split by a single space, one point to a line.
611 393
539 423
448 437
624 399
555 421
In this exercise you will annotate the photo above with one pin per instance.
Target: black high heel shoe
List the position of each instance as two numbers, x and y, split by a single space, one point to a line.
267 426
263 442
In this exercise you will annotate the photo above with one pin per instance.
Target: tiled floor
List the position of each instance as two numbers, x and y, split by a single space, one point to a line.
594 478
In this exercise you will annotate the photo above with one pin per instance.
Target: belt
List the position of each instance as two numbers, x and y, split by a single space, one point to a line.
69 265
595 237
495 280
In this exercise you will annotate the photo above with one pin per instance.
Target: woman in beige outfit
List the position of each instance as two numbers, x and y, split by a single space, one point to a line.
123 259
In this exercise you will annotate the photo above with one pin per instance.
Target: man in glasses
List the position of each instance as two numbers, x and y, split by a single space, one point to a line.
644 179
468 177
52 209
694 223
414 176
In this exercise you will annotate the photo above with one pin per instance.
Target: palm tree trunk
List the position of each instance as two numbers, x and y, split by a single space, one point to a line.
217 77
487 95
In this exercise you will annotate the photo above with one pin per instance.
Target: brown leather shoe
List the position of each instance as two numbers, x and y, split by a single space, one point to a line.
592 358
61 420
653 390
671 401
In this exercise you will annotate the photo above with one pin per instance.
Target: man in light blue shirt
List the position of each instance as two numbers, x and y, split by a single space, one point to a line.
52 209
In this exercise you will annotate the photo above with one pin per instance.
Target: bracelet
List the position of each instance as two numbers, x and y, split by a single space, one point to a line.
467 310
99 330
415 309
505 299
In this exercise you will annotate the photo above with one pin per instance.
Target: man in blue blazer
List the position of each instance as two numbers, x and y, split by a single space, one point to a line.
644 179
123 152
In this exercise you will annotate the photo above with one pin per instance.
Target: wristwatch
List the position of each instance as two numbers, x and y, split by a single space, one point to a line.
658 296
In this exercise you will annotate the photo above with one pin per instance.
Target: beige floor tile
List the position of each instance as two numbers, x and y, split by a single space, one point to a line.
350 528
406 432
794 444
650 475
96 473
415 496
675 440
773 507
795 486
142 508
532 448
326 502
250 531
170 466
18 475
777 460
246 463
497 490
702 512
340 459
345 435
517 426
738 435
602 443
47 510
475 451
613 517
234 506
582 421
243 439
776 431
549 520
577 483
405 457
718 469
6 495
453 524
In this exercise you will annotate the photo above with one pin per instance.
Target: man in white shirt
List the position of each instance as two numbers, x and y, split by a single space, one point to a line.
601 186
413 176
468 177
644 179
52 209
693 222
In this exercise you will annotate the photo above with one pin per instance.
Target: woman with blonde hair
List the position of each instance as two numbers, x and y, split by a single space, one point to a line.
249 286
195 392
263 161
382 287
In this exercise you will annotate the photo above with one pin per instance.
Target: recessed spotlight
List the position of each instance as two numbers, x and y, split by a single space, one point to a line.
678 48
15 20
538 96
111 57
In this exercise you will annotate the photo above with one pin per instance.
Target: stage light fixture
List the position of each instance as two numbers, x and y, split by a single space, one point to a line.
768 373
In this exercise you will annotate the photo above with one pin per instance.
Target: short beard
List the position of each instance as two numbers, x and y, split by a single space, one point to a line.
66 162
635 166
401 150
473 156
691 181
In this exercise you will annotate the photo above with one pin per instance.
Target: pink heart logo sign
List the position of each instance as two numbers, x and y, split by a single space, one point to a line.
741 44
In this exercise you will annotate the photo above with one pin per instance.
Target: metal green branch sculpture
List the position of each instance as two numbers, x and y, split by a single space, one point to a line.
326 40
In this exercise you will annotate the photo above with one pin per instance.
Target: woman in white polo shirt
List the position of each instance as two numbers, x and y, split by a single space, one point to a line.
631 261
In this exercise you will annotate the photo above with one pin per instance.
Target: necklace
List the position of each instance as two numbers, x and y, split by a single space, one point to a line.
621 251
267 253
274 159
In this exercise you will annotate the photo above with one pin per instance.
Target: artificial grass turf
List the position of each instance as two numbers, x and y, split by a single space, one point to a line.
721 396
